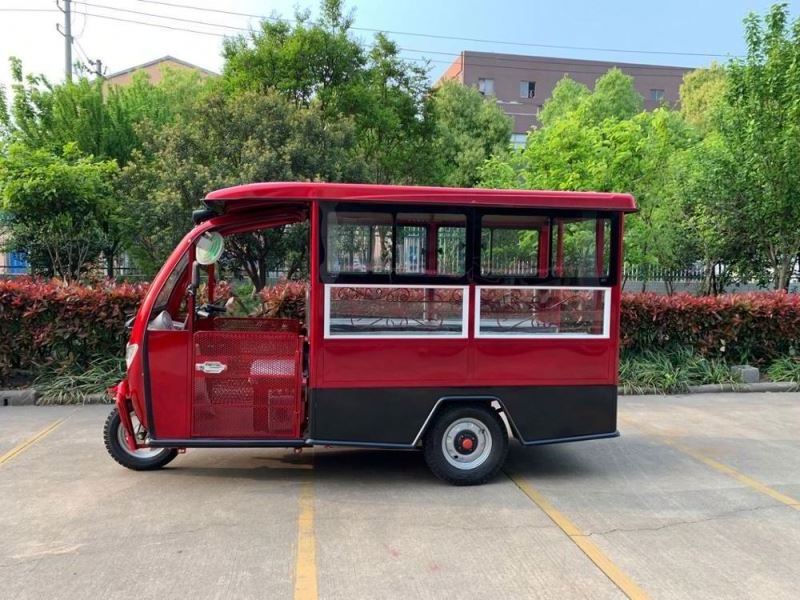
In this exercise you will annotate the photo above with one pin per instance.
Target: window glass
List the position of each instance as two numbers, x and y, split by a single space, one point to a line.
575 247
169 285
510 244
359 242
417 232
542 312
486 86
527 89
395 311
656 95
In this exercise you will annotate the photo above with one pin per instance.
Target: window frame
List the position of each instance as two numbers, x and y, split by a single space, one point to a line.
528 95
392 277
550 278
472 273
545 336
326 315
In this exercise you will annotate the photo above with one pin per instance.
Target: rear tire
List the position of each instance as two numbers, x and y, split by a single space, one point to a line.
145 459
466 444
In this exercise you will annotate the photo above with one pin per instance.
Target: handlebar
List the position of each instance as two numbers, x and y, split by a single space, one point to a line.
208 310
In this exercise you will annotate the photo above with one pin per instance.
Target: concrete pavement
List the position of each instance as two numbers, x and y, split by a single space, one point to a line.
695 500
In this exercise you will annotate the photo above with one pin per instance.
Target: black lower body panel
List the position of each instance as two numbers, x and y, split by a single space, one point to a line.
538 414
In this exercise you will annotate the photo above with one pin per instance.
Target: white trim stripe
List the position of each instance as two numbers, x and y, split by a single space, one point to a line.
442 335
545 336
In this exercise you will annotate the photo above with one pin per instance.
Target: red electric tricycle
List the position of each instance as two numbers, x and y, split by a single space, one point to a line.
447 320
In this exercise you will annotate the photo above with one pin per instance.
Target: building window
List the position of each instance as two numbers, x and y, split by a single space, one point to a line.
527 89
486 86
518 140
656 95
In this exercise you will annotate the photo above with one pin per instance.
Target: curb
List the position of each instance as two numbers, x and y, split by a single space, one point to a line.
30 397
719 388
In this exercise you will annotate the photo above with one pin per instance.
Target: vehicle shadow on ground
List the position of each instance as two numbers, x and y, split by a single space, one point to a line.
367 466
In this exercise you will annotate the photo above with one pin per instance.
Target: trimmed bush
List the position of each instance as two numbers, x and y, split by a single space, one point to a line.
755 328
46 325
49 326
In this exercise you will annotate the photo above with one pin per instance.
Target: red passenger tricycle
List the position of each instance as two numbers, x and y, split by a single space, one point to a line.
441 319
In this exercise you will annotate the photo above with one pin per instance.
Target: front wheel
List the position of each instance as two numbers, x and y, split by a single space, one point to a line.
466 445
143 459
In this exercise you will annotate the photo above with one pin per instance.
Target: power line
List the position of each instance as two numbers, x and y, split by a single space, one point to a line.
521 60
169 18
448 37
565 69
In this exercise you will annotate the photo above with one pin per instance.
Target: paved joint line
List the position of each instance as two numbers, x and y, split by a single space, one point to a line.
754 484
17 450
625 584
305 573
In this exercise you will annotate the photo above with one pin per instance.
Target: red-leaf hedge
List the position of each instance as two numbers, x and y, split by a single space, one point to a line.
45 323
754 327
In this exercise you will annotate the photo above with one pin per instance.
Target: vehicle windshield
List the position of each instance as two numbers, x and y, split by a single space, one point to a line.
169 285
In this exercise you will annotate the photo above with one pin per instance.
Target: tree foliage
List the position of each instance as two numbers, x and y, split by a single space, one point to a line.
60 208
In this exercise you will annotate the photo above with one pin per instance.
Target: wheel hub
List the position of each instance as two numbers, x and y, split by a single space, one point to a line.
466 442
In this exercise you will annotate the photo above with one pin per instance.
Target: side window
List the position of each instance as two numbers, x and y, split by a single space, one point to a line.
359 242
510 245
166 293
581 247
431 244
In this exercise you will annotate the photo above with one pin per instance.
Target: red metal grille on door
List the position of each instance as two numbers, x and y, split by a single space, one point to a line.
246 384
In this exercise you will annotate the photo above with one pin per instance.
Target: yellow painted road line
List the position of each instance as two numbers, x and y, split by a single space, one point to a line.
626 585
305 573
755 484
29 442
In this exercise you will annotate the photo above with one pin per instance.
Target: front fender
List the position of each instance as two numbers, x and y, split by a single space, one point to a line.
122 401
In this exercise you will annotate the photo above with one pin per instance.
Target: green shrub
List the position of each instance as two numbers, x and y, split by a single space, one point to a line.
67 387
670 372
785 369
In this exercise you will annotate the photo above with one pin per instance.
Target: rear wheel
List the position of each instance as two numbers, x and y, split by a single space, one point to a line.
466 445
143 459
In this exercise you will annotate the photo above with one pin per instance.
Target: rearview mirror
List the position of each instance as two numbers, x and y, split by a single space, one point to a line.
209 248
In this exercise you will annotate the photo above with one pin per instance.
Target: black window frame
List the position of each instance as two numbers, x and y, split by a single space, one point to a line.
550 278
472 271
392 277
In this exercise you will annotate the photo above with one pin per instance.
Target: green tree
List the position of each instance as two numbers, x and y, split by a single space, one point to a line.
761 127
469 129
567 95
702 94
59 208
228 139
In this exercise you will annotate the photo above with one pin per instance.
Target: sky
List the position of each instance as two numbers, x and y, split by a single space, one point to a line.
693 29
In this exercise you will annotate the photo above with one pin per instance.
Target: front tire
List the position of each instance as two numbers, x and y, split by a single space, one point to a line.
466 445
143 459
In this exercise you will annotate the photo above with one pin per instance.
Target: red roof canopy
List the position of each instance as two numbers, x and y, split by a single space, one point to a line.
253 195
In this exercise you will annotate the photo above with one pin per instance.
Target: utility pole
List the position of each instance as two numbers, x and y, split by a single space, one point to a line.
98 67
67 33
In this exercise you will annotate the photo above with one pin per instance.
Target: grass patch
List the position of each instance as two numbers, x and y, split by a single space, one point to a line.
669 372
785 369
60 387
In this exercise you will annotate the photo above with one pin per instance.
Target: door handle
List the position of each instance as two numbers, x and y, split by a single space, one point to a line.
212 367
